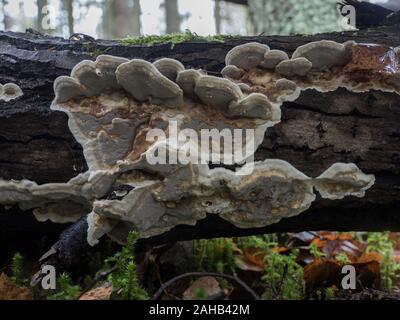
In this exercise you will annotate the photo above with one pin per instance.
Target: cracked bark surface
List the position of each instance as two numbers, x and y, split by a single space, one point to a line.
316 130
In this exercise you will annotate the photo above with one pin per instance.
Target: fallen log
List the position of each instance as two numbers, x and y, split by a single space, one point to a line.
317 130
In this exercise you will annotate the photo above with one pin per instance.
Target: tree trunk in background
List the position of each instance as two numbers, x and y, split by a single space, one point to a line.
107 20
123 18
23 24
172 17
217 15
7 20
40 5
271 17
136 15
69 8
117 19
361 128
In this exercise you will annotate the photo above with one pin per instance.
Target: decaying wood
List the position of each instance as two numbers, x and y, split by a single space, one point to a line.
316 130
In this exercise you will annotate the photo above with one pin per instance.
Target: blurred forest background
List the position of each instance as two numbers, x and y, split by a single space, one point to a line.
112 19
301 265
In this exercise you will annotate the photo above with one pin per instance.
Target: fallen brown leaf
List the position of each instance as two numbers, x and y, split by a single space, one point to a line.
369 256
102 292
321 273
319 243
368 269
336 236
245 265
255 256
10 291
280 249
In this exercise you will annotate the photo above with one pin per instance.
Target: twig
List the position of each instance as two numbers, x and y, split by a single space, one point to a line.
285 270
99 277
167 284
80 37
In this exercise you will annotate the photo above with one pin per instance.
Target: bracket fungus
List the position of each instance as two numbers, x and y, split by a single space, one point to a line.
112 125
114 104
58 202
324 54
10 91
274 190
247 55
321 65
294 67
272 58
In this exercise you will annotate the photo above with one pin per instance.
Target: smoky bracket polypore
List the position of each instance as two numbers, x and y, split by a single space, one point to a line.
115 104
270 191
10 91
322 65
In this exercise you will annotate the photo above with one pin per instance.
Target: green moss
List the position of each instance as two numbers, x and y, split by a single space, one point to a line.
214 255
17 270
201 294
314 251
171 38
390 270
264 242
342 258
124 280
283 277
330 293
66 290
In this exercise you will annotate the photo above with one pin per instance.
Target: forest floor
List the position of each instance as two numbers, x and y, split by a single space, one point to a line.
294 266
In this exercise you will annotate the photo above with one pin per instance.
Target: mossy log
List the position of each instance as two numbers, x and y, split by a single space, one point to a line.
316 131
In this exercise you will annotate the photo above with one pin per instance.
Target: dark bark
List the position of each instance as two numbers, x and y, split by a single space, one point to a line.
243 2
390 4
316 131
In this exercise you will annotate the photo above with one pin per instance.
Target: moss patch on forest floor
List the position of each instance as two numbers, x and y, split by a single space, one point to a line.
305 265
